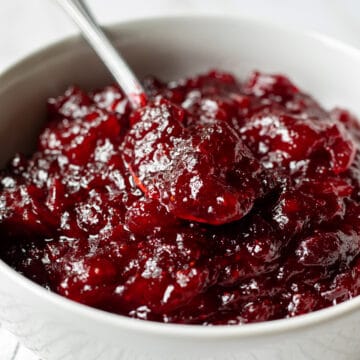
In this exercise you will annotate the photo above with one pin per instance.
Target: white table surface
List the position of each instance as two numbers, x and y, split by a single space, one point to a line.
26 25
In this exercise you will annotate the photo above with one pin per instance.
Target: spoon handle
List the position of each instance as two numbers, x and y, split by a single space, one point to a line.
101 44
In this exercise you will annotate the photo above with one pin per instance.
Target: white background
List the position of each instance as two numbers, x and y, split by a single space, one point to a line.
26 25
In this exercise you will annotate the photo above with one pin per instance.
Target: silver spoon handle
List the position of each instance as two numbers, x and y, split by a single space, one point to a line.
92 32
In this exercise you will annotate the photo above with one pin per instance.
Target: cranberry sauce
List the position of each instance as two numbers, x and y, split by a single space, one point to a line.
219 202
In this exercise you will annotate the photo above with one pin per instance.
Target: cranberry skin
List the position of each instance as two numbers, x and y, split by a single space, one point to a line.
261 310
168 271
348 119
22 211
309 202
303 303
89 281
325 248
74 103
264 85
345 285
146 215
200 310
280 139
111 99
90 215
245 251
77 138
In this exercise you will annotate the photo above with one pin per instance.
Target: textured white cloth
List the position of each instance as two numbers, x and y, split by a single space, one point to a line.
26 25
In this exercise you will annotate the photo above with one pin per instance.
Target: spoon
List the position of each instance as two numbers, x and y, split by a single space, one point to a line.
120 70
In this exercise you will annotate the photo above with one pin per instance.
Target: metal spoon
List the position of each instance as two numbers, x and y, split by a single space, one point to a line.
120 70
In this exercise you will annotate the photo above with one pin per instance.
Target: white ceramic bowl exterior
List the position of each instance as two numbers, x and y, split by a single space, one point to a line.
56 328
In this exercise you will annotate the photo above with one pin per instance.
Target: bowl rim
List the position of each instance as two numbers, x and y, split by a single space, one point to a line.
267 328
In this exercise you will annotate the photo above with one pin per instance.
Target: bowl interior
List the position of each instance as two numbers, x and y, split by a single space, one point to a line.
171 49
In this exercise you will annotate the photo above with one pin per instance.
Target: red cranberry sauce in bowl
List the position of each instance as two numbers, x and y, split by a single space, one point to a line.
219 202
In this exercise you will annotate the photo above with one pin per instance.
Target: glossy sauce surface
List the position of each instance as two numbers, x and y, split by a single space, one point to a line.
219 202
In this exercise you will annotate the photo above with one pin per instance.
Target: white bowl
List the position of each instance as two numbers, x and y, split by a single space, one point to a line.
56 328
